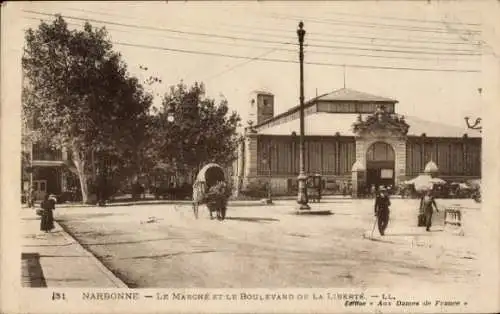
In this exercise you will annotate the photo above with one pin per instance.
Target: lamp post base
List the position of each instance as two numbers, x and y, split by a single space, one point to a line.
266 201
302 197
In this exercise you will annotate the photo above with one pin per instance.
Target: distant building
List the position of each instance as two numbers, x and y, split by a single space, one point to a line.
352 139
44 169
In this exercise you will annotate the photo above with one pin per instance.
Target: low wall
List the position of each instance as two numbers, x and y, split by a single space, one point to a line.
287 185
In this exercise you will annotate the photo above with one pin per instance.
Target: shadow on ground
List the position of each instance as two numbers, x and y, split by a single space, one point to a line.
379 240
253 219
31 271
420 234
170 255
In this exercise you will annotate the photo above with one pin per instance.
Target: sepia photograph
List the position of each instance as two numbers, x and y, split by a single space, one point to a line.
184 155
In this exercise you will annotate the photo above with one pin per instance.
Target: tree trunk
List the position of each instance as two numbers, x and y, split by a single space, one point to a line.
80 168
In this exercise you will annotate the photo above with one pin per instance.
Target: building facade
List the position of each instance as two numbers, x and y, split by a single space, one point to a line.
45 170
352 139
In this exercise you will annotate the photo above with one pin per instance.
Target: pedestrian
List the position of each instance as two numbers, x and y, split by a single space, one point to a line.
47 217
382 204
427 202
373 191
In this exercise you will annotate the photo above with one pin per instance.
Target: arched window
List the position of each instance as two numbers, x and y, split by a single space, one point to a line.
380 151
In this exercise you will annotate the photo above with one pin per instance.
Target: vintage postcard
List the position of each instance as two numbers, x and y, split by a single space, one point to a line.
250 156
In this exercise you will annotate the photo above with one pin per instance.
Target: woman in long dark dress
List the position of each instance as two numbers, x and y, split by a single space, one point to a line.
47 219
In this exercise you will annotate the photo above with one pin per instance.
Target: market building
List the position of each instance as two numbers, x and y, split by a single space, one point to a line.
352 139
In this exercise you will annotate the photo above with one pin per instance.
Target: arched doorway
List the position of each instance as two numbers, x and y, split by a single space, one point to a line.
380 164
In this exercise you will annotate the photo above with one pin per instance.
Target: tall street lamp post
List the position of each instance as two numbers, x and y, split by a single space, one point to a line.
302 195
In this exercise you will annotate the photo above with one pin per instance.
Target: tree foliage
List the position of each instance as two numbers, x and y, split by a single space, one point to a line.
191 130
79 95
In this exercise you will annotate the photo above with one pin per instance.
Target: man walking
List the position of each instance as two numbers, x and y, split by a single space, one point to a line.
426 204
382 203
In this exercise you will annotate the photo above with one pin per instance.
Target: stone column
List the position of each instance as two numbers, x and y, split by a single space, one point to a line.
361 148
250 168
399 146
358 176
238 175
241 159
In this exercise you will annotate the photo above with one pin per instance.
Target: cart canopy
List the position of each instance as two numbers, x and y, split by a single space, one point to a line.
210 174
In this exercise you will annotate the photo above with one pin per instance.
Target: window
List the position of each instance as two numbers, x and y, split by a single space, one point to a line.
380 151
386 173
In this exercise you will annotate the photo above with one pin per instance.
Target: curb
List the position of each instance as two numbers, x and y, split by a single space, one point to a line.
112 277
255 203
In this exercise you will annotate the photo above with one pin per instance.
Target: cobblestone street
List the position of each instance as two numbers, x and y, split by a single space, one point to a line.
267 246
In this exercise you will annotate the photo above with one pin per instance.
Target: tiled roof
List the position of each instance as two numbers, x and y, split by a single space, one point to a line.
343 94
435 129
320 124
347 94
327 124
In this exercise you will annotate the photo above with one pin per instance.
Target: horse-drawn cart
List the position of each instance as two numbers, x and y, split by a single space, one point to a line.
210 188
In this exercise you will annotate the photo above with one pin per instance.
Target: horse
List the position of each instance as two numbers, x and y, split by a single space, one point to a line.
210 189
215 203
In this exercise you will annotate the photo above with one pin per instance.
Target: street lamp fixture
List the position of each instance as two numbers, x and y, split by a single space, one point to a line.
170 110
475 126
302 193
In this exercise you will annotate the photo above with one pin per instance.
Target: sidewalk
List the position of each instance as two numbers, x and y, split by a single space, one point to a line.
56 259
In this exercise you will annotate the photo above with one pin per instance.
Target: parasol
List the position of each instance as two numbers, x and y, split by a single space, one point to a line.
422 182
437 181
464 186
475 183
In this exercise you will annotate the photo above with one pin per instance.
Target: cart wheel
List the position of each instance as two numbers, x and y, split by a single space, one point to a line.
195 210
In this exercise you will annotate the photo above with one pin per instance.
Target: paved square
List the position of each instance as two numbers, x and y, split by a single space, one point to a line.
163 246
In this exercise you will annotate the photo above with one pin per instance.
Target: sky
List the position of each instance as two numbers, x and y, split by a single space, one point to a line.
428 56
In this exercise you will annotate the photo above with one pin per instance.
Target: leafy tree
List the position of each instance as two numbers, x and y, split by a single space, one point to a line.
78 91
191 130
